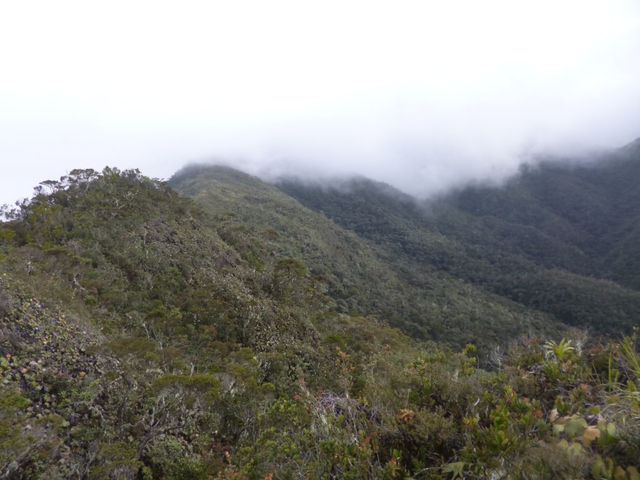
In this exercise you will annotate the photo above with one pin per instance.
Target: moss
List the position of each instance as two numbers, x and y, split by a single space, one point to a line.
11 401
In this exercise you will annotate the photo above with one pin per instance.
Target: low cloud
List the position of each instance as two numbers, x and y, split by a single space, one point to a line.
425 96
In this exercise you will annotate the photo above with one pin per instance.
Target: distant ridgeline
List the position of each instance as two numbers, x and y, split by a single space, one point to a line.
246 330
560 240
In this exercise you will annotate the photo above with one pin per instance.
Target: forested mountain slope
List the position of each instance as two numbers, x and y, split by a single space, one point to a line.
593 208
557 239
137 342
144 335
360 277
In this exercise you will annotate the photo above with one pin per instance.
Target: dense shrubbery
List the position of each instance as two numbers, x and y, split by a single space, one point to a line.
140 337
356 276
553 240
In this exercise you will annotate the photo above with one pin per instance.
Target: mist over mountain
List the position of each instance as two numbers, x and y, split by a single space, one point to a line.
404 246
361 278
547 235
215 326
439 100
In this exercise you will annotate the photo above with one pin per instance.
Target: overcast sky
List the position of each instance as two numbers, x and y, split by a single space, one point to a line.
423 94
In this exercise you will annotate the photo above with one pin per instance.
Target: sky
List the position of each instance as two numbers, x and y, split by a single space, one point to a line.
425 95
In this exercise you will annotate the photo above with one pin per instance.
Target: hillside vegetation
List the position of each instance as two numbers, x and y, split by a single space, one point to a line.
559 240
361 276
239 334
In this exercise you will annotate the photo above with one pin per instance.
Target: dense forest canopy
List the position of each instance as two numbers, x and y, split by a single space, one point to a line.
218 327
557 239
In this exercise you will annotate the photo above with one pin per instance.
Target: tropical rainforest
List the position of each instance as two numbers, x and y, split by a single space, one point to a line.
215 326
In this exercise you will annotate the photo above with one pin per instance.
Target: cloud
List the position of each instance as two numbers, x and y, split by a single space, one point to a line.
423 95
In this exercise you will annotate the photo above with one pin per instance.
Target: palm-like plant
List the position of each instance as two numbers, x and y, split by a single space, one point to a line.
559 350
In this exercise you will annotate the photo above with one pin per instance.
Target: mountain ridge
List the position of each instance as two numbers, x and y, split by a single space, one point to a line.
496 236
362 280
238 333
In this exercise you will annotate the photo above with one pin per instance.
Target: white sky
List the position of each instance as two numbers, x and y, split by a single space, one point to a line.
421 94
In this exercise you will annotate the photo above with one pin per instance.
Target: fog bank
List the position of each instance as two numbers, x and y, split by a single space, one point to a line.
422 95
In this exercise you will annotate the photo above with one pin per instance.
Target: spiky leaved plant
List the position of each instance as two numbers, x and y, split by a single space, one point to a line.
558 350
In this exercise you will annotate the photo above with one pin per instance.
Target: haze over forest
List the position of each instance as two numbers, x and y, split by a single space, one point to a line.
347 240
422 95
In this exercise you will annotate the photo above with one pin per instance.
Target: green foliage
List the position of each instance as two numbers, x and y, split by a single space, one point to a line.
12 402
560 351
7 235
346 273
546 240
144 336
290 267
116 460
